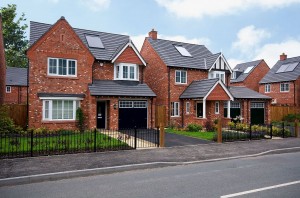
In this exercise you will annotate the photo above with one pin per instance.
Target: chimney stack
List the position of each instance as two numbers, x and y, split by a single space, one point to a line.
153 34
2 65
283 57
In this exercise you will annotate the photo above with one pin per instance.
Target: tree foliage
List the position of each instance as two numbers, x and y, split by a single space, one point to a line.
15 42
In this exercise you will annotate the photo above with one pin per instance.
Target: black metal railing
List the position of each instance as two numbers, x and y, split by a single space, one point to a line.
240 131
35 143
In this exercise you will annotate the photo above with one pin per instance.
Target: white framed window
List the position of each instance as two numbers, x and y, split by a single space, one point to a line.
174 109
132 104
180 77
217 74
187 107
8 89
217 107
125 104
233 75
60 109
257 105
284 87
267 88
125 71
62 67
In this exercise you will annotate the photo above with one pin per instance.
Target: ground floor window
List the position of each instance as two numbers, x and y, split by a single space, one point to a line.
175 109
8 89
199 112
187 107
60 109
217 107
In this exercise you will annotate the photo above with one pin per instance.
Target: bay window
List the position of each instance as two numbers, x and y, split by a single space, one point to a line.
124 71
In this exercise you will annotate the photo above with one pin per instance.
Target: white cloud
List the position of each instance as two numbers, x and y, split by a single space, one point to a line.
233 62
95 5
270 52
201 8
53 1
139 39
248 38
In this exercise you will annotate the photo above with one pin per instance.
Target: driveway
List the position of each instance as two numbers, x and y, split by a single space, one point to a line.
172 139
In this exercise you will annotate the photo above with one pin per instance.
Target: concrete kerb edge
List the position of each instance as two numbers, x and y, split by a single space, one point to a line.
107 170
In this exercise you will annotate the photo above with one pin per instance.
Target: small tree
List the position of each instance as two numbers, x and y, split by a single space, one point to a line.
80 119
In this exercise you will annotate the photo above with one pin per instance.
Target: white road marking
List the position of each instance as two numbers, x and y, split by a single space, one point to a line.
260 189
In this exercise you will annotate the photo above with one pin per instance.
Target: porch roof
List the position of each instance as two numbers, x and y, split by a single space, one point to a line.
202 89
120 88
246 93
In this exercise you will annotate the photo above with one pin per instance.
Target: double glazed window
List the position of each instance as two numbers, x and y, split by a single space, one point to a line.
60 109
62 67
126 72
284 87
180 77
267 88
217 74
8 89
175 109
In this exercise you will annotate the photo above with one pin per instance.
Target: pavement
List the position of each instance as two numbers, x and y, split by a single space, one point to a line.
44 168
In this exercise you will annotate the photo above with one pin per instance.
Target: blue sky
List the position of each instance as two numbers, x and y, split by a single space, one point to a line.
244 30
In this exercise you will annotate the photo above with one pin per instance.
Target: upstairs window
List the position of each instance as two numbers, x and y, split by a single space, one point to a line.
62 67
233 75
124 71
217 74
8 89
267 88
284 87
180 77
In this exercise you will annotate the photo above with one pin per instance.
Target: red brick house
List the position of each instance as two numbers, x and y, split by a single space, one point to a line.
191 82
249 74
282 82
16 86
100 72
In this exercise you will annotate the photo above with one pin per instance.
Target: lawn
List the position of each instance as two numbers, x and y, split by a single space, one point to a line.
199 135
59 143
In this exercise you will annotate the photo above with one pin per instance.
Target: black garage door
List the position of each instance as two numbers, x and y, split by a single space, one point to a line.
235 109
257 113
132 114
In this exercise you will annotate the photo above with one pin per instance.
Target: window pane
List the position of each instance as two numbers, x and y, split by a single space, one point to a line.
117 71
177 76
68 109
183 76
72 67
172 108
52 66
56 109
125 71
62 66
131 72
46 109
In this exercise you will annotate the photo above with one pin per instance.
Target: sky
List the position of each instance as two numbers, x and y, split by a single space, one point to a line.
243 30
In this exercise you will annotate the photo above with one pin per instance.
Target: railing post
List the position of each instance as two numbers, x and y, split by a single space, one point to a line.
250 131
282 129
95 140
219 135
31 143
135 137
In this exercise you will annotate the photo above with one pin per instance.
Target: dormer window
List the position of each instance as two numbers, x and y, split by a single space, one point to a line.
217 74
126 71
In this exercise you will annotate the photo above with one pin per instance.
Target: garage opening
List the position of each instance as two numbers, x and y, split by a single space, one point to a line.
133 114
257 113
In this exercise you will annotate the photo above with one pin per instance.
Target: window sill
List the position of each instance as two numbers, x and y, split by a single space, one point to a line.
58 121
184 84
64 77
175 116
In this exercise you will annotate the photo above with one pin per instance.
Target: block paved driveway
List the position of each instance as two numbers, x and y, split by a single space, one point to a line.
172 139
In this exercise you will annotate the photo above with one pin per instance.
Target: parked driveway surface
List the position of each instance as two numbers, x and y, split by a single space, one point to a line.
172 140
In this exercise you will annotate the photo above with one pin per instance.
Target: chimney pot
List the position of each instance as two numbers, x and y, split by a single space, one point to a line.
153 34
283 57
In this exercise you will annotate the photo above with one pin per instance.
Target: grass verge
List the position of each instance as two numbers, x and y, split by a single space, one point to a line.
199 135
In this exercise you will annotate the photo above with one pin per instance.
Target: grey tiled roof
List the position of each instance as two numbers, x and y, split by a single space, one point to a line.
60 95
271 76
246 93
241 68
120 88
201 58
113 43
198 89
16 76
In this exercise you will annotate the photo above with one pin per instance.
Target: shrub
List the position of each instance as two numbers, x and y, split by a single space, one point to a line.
194 127
209 126
80 119
291 117
7 125
231 125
